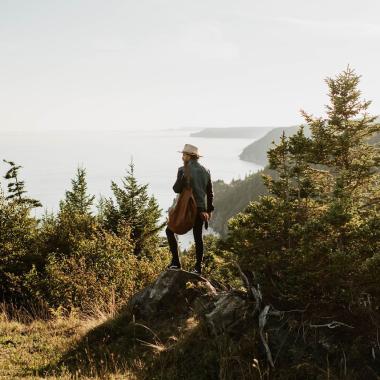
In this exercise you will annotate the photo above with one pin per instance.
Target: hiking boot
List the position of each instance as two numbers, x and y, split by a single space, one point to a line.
197 271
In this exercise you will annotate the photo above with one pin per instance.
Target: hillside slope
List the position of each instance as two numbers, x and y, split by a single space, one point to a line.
233 132
257 151
187 327
231 198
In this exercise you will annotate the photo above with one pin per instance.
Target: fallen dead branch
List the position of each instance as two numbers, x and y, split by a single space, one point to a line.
332 325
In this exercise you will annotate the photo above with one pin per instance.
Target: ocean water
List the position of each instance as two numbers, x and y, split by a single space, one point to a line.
49 161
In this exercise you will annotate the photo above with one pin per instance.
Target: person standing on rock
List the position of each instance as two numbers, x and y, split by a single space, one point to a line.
201 185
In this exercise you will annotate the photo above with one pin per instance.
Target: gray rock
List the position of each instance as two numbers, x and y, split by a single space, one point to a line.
172 293
229 311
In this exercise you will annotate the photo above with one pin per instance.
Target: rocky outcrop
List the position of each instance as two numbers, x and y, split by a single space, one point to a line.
180 293
174 292
228 312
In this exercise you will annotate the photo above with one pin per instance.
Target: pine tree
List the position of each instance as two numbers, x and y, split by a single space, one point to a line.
18 251
62 233
340 141
134 207
77 200
297 183
297 178
279 160
322 214
16 188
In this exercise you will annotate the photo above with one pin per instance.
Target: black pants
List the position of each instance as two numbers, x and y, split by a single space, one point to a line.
197 232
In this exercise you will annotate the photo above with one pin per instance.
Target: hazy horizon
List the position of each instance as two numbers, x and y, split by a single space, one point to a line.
167 64
145 130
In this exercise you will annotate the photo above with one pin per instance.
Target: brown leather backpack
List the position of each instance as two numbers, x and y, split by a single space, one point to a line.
182 216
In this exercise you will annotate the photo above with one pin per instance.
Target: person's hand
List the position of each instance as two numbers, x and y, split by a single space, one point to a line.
206 216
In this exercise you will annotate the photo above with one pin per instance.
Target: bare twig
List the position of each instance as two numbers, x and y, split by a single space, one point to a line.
262 322
280 313
332 325
345 363
252 291
149 329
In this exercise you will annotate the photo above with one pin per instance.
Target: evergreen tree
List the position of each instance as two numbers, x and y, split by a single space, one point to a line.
134 207
279 160
77 200
18 250
62 233
340 141
16 188
323 205
341 144
297 177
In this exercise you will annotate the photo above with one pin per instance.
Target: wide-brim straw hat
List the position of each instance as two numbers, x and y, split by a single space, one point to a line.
190 149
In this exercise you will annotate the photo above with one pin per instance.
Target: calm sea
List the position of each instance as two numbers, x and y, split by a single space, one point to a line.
49 161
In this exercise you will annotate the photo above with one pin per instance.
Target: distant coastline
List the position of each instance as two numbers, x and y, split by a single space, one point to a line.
232 132
256 152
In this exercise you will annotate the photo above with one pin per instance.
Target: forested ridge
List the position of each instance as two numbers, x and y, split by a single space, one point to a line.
291 291
233 197
256 152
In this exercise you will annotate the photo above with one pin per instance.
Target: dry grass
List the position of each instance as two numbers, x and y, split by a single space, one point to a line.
166 350
28 344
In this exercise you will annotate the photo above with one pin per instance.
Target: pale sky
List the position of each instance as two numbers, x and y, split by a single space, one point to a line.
154 64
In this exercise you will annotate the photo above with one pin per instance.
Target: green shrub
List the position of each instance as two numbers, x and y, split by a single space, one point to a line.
102 273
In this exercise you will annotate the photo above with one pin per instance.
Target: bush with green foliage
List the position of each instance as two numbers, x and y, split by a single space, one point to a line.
100 274
18 231
74 259
132 205
62 233
314 240
216 261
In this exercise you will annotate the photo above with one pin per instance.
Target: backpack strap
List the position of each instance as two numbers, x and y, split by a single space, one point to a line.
187 175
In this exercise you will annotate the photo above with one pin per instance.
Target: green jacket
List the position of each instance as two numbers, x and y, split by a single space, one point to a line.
200 182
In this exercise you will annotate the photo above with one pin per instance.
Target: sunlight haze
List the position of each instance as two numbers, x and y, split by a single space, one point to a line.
126 65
